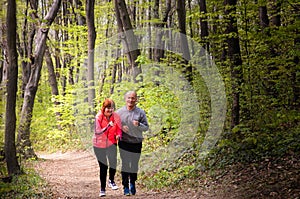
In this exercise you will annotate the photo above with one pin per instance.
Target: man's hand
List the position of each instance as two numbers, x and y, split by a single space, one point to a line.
125 129
135 123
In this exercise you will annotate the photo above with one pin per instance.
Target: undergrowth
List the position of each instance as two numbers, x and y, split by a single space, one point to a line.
272 142
26 185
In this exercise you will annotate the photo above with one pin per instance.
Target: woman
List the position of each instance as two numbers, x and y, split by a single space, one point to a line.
107 134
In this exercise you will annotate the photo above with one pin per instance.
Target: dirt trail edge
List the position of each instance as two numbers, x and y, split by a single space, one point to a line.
76 175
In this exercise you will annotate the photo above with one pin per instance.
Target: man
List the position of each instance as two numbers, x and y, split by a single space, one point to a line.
134 122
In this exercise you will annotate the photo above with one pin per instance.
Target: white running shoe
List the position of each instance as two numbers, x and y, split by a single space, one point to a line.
102 193
112 185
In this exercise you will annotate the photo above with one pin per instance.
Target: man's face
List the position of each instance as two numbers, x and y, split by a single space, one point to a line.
131 100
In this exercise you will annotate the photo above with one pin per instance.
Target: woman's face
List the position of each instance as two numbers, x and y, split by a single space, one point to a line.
108 111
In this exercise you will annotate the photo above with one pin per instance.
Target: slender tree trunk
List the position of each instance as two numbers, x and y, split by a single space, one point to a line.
113 78
263 17
52 80
191 27
276 17
181 12
22 48
149 31
12 72
130 40
234 55
159 43
32 85
203 24
81 21
90 4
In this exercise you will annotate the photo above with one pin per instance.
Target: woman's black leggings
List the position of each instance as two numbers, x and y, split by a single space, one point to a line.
102 155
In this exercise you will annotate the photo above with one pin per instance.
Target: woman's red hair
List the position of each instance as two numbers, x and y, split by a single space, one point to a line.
107 103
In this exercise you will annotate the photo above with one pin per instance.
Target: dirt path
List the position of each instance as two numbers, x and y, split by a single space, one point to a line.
76 175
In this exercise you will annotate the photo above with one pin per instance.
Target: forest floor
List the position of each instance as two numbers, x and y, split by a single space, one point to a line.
76 175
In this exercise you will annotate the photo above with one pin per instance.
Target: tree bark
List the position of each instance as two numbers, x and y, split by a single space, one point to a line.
275 12
181 12
90 4
12 72
29 32
234 55
203 24
159 43
263 17
52 80
32 85
130 40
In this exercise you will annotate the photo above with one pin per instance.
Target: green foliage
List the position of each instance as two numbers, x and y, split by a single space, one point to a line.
272 140
55 127
166 178
26 185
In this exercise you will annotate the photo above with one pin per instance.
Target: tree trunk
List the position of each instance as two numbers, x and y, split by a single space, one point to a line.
52 80
275 12
90 18
181 12
263 17
32 85
12 77
234 55
26 50
159 43
130 40
203 24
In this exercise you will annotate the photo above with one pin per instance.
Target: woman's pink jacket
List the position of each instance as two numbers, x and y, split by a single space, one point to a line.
107 138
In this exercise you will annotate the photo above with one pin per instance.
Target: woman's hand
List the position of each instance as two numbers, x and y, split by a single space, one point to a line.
111 123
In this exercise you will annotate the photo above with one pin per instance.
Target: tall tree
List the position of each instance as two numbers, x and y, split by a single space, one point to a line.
263 16
275 12
203 24
158 53
181 12
90 18
33 82
234 55
11 85
52 81
130 40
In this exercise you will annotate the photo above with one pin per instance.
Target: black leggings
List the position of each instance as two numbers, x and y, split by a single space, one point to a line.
130 154
102 155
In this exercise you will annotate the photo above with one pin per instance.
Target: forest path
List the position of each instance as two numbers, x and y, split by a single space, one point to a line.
76 175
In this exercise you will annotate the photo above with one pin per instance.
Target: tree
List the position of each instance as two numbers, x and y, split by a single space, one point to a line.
12 77
32 85
234 55
130 41
181 12
263 16
52 80
203 23
158 53
276 17
90 4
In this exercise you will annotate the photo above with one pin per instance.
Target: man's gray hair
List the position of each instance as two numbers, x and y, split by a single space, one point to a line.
129 92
